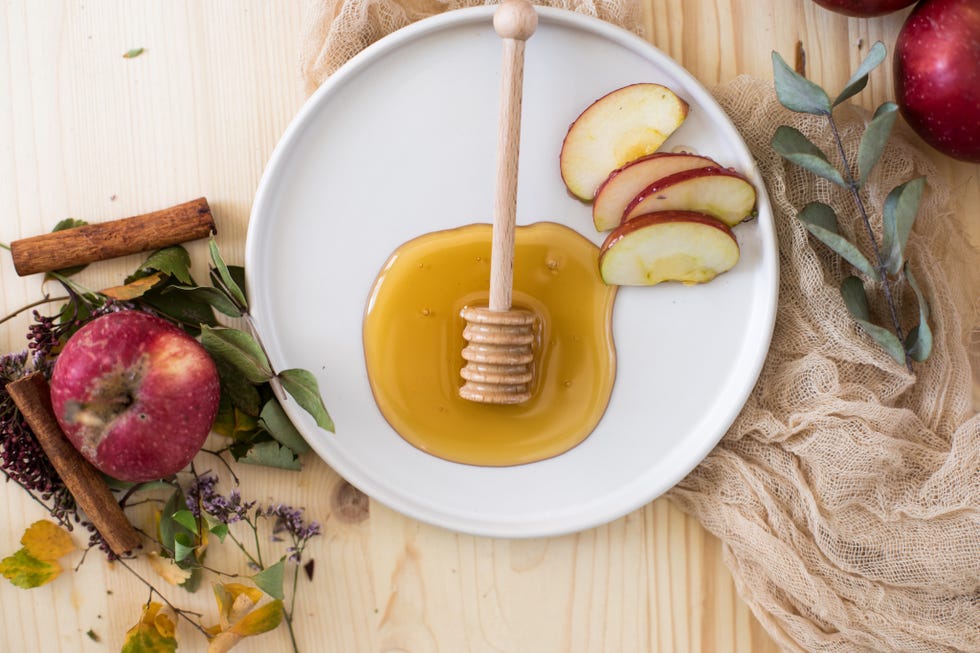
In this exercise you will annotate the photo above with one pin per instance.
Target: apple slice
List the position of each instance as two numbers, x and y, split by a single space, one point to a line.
623 184
683 246
719 192
619 127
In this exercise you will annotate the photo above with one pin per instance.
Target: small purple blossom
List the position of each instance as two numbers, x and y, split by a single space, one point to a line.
201 495
290 520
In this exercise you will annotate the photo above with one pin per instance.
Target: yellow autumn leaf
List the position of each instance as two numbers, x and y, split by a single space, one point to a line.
261 620
167 569
238 617
36 563
136 288
154 633
45 540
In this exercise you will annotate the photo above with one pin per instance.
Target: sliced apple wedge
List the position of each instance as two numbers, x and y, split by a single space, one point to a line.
619 127
624 184
719 192
680 246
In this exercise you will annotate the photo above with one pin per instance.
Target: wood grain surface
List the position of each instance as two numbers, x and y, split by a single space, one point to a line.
86 133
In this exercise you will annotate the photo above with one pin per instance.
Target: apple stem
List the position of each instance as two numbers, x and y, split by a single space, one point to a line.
854 187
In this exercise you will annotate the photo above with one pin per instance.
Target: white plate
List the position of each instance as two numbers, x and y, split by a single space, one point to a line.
401 142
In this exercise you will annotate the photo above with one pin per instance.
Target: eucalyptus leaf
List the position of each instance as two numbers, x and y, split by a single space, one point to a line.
269 580
796 92
856 300
239 350
303 387
859 79
815 217
919 341
794 146
173 261
234 290
271 454
901 207
213 297
874 139
273 418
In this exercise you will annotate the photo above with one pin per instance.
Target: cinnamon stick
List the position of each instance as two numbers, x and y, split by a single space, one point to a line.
99 242
32 396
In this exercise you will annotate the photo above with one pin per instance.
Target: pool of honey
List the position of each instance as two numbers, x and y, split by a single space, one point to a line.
413 342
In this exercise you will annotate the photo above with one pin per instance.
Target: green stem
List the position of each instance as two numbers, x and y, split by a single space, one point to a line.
853 186
238 543
288 614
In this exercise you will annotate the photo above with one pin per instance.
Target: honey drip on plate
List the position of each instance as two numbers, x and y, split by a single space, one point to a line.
413 342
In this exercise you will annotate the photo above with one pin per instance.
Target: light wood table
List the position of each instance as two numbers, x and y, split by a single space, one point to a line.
86 133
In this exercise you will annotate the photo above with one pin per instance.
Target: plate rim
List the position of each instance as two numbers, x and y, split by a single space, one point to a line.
530 526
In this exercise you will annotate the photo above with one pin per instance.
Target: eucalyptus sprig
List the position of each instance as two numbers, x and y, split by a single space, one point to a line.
887 265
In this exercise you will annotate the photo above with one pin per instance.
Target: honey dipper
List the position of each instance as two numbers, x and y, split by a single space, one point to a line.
499 358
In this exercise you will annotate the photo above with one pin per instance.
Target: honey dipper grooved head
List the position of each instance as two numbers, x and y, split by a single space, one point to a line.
498 355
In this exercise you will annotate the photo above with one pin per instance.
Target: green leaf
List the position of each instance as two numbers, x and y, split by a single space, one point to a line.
234 290
67 223
796 92
168 527
133 53
274 420
919 341
239 350
189 310
27 571
303 387
269 580
859 79
271 454
874 139
186 519
183 546
219 530
239 391
213 297
173 261
856 300
901 207
794 146
821 221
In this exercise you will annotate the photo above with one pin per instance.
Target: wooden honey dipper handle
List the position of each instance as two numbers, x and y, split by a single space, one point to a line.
515 22
499 355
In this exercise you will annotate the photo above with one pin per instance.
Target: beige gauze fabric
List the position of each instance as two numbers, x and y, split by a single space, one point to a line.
847 492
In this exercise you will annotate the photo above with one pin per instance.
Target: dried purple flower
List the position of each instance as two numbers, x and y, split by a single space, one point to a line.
201 496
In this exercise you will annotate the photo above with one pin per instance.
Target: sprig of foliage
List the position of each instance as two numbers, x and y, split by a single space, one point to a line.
887 264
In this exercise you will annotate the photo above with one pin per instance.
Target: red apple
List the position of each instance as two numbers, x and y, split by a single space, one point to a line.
135 394
937 75
720 192
683 246
619 127
623 184
864 8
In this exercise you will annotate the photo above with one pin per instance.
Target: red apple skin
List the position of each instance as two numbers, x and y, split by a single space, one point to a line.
864 8
135 395
661 217
937 75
